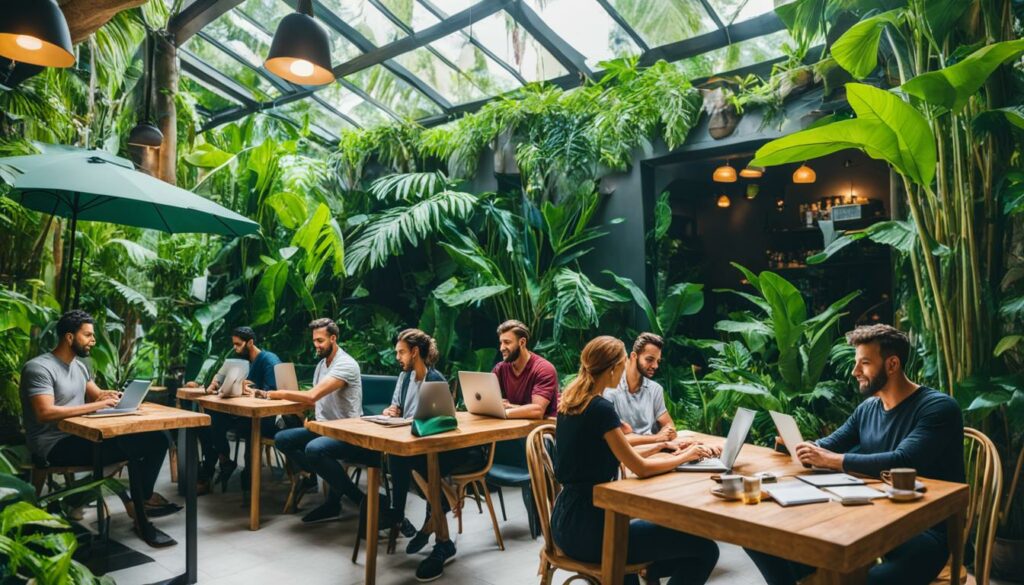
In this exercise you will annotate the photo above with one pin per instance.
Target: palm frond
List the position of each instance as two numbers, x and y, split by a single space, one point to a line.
408 186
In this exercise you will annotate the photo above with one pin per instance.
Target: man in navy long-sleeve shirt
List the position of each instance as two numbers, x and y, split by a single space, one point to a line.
900 424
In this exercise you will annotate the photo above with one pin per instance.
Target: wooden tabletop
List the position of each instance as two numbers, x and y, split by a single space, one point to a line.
246 406
151 417
473 430
822 535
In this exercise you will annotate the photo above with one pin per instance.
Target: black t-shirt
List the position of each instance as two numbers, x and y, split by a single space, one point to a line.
583 456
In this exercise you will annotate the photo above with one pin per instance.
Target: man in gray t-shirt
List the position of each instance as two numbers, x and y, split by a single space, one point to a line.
337 393
640 401
57 385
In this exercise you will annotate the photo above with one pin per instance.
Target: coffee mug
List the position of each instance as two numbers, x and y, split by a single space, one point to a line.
901 478
732 485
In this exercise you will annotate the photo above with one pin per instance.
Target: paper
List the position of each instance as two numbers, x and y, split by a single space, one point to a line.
830 479
855 491
795 493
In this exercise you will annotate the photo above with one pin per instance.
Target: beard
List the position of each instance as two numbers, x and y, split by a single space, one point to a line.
80 350
242 353
873 385
406 366
513 355
325 351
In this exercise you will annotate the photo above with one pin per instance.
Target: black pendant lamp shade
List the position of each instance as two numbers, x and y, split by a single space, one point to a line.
35 32
301 51
12 73
145 133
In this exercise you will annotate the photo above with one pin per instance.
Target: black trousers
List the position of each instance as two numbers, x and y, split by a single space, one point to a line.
401 469
144 453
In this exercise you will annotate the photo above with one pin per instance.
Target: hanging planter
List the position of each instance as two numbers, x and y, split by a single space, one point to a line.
723 116
505 153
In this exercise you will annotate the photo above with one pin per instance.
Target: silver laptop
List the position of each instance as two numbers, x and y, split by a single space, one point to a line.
482 394
234 380
791 435
435 399
733 443
131 398
284 375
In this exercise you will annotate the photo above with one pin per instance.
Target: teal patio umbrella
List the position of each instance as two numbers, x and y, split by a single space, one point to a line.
93 185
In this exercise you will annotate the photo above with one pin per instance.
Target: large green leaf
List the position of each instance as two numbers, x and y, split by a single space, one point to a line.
268 291
453 294
912 131
857 50
897 234
941 15
640 298
209 314
681 300
290 208
208 156
953 86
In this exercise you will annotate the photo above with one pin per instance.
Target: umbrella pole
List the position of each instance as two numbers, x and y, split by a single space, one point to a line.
71 258
78 282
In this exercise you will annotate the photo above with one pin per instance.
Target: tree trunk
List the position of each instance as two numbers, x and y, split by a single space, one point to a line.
166 71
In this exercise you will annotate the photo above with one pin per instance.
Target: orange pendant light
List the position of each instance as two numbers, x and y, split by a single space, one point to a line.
724 201
804 174
724 174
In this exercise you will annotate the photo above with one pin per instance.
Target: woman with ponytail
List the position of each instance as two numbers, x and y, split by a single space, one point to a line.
591 445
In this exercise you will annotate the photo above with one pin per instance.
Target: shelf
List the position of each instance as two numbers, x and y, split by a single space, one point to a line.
826 264
796 230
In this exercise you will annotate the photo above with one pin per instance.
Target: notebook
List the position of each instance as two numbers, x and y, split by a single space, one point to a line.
795 493
388 421
830 479
855 492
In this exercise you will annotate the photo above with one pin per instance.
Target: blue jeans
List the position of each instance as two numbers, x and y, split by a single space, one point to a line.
915 562
577 528
323 456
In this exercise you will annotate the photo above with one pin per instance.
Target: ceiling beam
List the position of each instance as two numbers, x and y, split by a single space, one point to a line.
764 24
713 14
571 59
197 15
440 14
204 72
619 20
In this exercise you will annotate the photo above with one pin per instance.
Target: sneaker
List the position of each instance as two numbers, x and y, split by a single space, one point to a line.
325 511
419 540
432 567
308 485
407 529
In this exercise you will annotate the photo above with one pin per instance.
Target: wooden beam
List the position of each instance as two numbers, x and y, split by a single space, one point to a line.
197 15
87 16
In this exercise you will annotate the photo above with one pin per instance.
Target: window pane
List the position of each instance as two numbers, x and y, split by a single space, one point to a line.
364 113
453 85
241 36
318 116
364 17
731 11
412 13
394 93
737 55
512 44
261 89
206 97
672 21
264 15
587 27
453 6
485 72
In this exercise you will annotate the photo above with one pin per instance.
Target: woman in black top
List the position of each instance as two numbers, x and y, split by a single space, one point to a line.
590 446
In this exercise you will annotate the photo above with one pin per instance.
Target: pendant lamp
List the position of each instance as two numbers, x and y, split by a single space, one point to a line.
35 32
146 134
752 173
301 50
804 174
724 201
724 174
12 73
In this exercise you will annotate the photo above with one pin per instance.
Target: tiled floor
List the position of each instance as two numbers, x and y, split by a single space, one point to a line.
286 551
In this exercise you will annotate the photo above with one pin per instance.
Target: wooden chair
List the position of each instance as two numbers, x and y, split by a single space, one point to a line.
41 477
539 446
985 477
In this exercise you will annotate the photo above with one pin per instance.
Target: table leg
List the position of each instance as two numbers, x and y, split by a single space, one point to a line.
435 495
97 475
256 467
613 550
955 533
191 511
828 577
372 516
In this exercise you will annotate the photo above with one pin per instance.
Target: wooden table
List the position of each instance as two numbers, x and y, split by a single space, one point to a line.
152 417
254 409
473 431
841 541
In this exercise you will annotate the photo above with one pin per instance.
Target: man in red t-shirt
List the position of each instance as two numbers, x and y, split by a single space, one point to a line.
529 383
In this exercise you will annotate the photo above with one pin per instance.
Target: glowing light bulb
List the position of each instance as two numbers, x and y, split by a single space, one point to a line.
724 201
302 68
28 43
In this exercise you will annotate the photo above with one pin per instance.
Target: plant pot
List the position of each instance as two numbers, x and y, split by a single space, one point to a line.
1008 560
505 154
723 117
795 82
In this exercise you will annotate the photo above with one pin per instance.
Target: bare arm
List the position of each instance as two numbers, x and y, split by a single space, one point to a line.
326 386
536 409
46 411
650 466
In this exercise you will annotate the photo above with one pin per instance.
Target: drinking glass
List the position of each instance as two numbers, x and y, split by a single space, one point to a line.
751 490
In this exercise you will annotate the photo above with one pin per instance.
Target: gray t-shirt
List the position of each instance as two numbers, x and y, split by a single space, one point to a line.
641 409
48 374
412 391
346 402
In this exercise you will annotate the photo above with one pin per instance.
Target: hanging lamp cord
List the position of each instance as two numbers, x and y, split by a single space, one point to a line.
305 7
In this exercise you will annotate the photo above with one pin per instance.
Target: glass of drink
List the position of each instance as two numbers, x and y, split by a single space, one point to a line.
751 490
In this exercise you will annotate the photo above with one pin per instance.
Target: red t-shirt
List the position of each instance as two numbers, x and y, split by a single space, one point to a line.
538 378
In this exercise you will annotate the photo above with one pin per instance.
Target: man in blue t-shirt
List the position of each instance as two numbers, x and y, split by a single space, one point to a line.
900 424
261 377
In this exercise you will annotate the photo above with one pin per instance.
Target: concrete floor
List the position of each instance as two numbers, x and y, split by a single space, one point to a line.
285 550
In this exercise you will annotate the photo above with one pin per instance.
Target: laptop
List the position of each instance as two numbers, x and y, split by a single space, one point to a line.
790 433
733 443
435 399
482 394
284 374
131 398
234 378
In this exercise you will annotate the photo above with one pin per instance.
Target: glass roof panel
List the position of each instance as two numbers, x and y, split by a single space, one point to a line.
512 44
364 113
732 11
675 20
364 17
264 15
390 90
318 115
207 97
450 83
242 36
742 54
485 72
261 88
414 14
586 26
453 6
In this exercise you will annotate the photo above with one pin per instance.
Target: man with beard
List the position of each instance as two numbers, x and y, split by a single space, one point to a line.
640 401
417 353
261 376
900 424
55 386
528 382
337 393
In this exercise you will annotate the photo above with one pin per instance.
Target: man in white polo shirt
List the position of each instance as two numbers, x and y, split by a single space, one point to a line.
639 400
